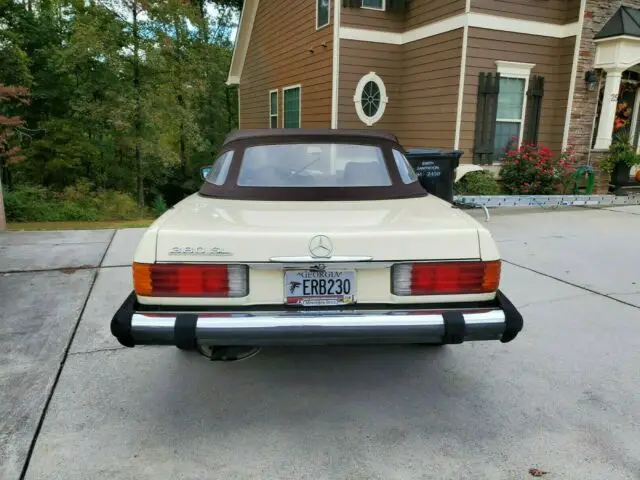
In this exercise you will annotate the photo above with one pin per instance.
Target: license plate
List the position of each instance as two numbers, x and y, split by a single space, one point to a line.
319 288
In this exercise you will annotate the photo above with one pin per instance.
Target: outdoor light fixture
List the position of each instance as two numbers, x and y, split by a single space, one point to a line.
590 79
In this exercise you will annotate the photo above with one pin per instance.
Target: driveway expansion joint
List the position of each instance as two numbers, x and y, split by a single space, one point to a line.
99 350
561 299
45 270
63 360
581 287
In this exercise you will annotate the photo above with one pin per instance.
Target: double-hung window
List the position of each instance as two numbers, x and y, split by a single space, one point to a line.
291 103
273 108
514 81
373 4
322 13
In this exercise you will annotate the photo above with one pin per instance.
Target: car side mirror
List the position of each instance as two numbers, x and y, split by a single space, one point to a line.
205 172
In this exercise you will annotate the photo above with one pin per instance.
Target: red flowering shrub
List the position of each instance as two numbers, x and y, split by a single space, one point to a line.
535 170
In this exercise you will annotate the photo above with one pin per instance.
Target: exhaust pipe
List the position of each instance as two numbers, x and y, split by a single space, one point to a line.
227 354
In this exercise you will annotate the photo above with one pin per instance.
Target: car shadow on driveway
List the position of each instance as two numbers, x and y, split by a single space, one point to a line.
329 411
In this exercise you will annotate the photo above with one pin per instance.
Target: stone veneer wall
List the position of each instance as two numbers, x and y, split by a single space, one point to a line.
597 13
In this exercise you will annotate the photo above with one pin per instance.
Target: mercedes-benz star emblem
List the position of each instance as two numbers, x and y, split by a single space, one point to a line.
321 247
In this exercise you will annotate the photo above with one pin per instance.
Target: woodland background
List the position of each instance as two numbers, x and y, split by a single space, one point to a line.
108 108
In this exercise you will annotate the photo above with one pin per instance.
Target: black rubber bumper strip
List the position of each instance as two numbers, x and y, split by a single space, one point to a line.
184 331
121 321
513 319
454 327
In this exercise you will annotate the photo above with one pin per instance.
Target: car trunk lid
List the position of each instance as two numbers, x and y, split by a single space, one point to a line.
211 230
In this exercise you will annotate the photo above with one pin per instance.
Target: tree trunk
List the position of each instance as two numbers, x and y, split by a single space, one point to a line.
203 20
184 161
138 113
3 220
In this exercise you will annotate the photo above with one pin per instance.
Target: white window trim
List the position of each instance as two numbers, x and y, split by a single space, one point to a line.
381 9
357 98
275 90
320 27
292 87
522 71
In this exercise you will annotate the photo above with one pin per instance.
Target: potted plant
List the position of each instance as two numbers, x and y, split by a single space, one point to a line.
620 159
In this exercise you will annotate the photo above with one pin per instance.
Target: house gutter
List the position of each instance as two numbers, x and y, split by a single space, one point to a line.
335 77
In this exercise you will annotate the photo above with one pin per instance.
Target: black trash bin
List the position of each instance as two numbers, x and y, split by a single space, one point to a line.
435 169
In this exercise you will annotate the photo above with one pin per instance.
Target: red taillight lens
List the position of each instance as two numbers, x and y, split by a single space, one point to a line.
177 280
445 278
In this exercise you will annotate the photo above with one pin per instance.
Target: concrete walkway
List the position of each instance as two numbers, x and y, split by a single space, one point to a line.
563 397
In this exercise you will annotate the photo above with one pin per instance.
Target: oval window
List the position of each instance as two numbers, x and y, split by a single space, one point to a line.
370 98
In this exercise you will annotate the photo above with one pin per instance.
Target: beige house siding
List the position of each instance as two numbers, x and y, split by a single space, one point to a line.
419 13
553 60
423 12
371 19
550 11
573 11
359 58
279 57
421 79
430 91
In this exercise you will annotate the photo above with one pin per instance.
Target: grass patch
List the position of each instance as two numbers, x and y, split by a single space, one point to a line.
78 225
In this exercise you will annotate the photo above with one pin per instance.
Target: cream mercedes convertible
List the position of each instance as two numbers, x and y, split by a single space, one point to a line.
313 237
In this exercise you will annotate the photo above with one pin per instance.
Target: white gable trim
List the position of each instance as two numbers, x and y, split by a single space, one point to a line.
243 36
529 27
470 19
375 36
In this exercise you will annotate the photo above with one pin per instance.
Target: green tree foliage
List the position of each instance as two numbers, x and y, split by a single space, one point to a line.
125 95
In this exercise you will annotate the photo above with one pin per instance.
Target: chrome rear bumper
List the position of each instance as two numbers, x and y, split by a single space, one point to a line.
134 326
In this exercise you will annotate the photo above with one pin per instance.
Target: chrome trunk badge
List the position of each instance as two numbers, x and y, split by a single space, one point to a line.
320 246
205 251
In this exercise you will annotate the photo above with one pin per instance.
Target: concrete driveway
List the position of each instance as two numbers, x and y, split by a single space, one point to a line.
564 397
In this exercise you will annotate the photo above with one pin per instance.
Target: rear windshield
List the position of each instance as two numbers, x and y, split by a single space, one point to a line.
313 165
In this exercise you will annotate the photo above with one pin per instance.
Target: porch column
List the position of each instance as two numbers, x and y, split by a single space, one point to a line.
608 112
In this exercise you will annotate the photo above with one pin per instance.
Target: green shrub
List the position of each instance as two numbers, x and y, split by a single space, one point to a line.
70 211
621 151
76 203
117 206
535 170
28 203
159 205
477 183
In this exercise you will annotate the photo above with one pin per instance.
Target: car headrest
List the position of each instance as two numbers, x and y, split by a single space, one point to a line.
365 173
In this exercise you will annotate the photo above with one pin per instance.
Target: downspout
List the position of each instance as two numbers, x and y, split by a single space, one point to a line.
574 72
463 75
335 78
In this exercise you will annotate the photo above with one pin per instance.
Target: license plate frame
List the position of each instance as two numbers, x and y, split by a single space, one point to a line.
299 289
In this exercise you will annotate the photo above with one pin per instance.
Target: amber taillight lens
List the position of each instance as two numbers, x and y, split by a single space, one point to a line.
180 280
445 278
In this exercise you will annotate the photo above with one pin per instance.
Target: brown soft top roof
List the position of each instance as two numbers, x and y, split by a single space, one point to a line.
289 133
240 140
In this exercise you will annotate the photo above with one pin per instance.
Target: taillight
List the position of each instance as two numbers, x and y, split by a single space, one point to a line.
445 278
180 280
